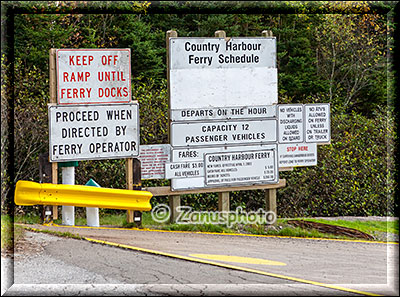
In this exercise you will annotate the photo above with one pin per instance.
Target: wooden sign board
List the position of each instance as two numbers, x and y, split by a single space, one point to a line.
93 76
91 132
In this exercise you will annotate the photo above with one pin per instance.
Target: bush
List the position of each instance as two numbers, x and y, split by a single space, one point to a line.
354 175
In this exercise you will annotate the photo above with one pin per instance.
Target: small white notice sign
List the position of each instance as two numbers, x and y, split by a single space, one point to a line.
152 159
248 167
318 125
91 132
93 76
184 169
297 154
290 123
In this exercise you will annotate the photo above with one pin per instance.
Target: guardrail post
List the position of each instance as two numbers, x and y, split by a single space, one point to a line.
137 185
92 213
134 182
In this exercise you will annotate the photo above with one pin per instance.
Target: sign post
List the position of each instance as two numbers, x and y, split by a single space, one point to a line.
209 79
68 212
92 116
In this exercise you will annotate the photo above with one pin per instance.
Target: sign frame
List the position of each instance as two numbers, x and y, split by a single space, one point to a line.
52 130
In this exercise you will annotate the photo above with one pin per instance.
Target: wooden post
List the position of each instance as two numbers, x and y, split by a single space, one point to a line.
266 33
270 201
45 176
220 33
223 198
174 203
53 100
270 195
174 200
223 202
129 185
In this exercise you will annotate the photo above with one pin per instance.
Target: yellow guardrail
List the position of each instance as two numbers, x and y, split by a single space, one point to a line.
31 193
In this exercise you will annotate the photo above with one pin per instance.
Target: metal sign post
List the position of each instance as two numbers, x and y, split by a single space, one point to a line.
68 212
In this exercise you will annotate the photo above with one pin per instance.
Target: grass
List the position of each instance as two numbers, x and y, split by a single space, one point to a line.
9 233
281 228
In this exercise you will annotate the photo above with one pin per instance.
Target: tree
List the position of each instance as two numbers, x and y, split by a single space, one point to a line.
351 56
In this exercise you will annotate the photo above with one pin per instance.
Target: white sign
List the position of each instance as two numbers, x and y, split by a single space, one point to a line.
290 123
223 113
222 132
318 126
152 159
184 170
92 76
194 154
297 154
237 52
93 132
247 167
213 72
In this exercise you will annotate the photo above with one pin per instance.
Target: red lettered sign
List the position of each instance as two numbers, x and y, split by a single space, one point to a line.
93 76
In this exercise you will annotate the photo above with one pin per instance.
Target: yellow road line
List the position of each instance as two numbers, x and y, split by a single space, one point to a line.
230 234
237 259
295 279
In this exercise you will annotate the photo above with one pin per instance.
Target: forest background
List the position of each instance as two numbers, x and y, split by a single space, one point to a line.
337 52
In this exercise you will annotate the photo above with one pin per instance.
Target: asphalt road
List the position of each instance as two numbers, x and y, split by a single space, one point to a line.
163 263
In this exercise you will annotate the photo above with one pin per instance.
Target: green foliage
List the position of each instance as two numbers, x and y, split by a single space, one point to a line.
354 175
321 57
30 120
